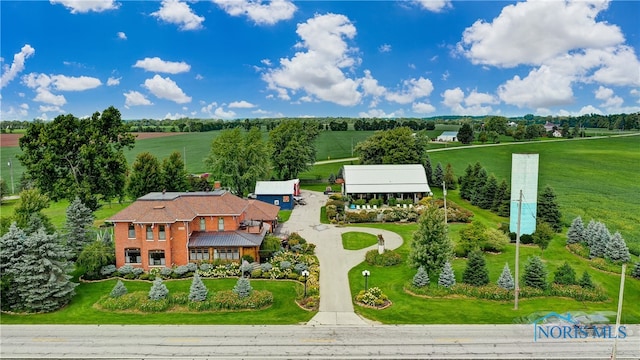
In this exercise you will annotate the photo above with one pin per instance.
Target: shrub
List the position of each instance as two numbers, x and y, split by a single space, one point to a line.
526 239
447 277
256 273
151 305
372 297
108 270
158 290
198 291
137 272
300 267
166 272
242 288
248 258
585 281
421 278
284 265
229 300
506 280
118 290
204 267
535 273
636 270
126 269
181 270
495 240
565 275
387 258
476 272
266 267
245 268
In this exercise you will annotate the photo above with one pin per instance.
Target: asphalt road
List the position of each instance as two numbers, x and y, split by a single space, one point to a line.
301 342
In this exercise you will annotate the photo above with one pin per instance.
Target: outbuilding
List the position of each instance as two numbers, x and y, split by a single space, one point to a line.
448 136
280 193
385 182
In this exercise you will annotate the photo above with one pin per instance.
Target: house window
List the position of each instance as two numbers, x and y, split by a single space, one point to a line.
132 256
203 226
149 232
226 254
132 231
162 235
197 254
220 224
156 257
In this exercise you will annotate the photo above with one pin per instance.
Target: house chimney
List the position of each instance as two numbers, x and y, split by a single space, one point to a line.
216 185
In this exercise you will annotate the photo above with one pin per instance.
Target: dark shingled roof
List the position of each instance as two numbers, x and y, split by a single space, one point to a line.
224 238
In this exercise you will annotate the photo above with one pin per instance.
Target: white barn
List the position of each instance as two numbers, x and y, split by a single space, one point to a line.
448 136
385 181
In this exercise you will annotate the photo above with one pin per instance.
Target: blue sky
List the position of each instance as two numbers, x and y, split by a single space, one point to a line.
236 59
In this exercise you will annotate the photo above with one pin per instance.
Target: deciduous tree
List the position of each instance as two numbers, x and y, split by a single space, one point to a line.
174 175
70 157
431 247
145 176
395 146
292 148
465 134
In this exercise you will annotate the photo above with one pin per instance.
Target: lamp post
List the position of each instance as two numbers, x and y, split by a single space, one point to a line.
305 273
366 275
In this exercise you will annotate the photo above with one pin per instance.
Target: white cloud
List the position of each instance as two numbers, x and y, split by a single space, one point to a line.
619 66
589 109
261 12
317 70
541 88
49 108
434 5
533 32
241 105
412 89
208 108
199 77
175 116
122 35
45 96
134 98
43 117
84 6
473 104
384 48
376 113
165 88
74 83
179 13
155 64
422 108
111 81
220 113
10 72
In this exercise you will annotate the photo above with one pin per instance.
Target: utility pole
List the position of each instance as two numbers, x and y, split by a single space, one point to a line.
444 194
517 279
620 297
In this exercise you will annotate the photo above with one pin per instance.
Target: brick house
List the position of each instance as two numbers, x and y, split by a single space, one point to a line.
175 228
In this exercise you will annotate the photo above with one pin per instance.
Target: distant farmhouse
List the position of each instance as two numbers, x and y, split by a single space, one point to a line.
280 193
385 182
549 126
448 136
165 229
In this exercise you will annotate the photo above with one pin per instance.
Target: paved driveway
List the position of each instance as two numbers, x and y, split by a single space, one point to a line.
336 305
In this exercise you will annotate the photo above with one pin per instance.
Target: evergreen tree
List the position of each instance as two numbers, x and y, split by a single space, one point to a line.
476 272
447 277
548 210
421 278
11 250
428 170
478 187
39 275
158 290
636 270
535 273
488 193
145 176
198 291
590 233
243 287
118 290
438 175
465 134
505 280
450 178
502 202
431 247
174 175
617 250
585 281
575 234
600 241
466 182
78 226
565 275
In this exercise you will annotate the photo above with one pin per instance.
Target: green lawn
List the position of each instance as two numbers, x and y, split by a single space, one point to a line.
355 240
407 309
81 310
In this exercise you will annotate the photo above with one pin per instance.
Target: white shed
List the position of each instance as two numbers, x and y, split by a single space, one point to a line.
448 136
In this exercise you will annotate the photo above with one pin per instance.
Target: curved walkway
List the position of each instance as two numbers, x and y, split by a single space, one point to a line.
336 305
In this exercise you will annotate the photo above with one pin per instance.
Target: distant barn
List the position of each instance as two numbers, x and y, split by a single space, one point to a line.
448 136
